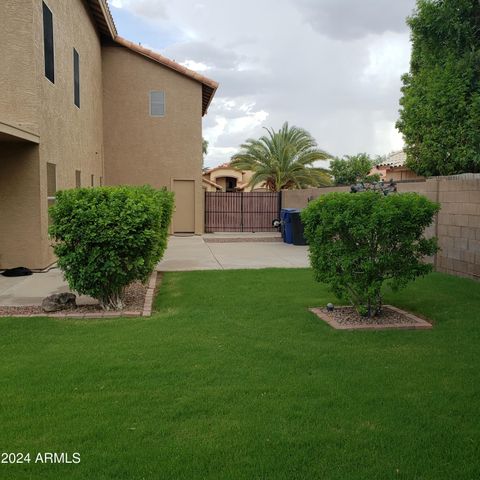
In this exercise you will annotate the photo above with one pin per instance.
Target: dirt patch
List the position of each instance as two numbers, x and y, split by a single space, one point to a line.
346 318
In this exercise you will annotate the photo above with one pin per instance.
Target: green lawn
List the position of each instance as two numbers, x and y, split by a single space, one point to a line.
233 378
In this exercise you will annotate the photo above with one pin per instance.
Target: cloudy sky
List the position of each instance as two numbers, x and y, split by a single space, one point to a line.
332 67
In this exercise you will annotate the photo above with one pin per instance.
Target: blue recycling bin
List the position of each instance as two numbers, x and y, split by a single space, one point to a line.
285 217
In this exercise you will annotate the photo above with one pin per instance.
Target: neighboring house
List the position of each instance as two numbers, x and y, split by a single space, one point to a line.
228 179
81 106
393 168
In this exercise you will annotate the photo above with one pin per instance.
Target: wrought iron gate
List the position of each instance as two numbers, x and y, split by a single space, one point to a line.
241 212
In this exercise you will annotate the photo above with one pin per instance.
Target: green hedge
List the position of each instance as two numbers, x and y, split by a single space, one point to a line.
360 241
108 237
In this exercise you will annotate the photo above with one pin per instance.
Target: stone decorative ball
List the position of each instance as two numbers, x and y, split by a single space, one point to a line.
330 307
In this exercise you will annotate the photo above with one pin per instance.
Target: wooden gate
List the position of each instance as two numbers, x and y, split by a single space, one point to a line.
241 212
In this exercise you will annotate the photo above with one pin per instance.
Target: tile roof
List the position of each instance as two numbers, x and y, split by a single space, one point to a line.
394 159
103 17
209 86
219 167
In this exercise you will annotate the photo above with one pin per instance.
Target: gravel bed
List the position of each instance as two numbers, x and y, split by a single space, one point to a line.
349 316
134 300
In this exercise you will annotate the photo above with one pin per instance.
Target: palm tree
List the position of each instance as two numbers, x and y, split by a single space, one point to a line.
204 146
283 159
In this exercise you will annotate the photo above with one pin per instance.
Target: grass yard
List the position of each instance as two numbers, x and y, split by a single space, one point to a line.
232 378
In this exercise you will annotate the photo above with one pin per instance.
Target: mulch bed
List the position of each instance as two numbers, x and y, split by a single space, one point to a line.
346 318
136 295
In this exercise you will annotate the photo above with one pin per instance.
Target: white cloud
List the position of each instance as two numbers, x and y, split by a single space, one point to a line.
330 66
197 66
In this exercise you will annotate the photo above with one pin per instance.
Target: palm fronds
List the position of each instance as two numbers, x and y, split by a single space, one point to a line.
283 159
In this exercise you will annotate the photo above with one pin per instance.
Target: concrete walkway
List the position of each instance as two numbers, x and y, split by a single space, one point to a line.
183 253
31 290
193 253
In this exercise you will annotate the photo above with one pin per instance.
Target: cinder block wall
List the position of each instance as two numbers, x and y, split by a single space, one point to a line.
457 226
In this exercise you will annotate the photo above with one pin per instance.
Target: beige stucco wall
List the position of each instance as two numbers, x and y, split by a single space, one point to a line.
18 79
19 206
141 149
222 181
396 173
222 173
70 137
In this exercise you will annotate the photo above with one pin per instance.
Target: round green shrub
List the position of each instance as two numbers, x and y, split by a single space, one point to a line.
360 241
108 237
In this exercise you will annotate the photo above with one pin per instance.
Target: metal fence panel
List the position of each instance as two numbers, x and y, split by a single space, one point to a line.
241 211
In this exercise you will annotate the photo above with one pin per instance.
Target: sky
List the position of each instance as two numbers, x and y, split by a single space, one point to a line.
332 67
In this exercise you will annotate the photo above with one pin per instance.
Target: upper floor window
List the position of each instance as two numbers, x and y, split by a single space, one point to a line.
76 78
157 104
48 51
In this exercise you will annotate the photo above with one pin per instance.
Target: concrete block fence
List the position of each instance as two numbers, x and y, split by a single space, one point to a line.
457 226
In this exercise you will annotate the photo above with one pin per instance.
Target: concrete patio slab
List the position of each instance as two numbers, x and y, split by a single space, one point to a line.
193 253
31 290
183 253
188 253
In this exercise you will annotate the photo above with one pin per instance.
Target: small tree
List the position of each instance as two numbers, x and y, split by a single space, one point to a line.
353 169
440 107
360 241
108 237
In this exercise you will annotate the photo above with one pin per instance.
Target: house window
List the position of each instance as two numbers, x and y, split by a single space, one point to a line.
78 178
76 78
230 184
101 181
157 104
92 180
48 52
51 185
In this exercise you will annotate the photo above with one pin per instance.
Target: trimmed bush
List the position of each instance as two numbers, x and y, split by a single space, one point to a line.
109 237
360 241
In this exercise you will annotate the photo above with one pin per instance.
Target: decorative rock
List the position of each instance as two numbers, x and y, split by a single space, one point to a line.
58 301
330 307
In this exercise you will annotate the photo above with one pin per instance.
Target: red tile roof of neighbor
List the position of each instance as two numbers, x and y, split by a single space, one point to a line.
106 26
219 167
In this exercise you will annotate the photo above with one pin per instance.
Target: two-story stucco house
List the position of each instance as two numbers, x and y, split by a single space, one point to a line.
81 106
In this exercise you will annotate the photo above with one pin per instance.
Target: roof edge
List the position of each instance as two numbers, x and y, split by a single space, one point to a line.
108 17
102 17
209 86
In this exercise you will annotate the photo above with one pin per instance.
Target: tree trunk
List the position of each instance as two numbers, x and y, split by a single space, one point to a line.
114 301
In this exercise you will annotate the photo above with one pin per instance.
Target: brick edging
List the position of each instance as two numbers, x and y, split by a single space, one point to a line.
150 295
416 322
145 312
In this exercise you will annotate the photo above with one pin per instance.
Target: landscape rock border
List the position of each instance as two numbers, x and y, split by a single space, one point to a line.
153 282
413 322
